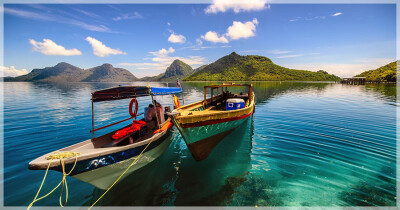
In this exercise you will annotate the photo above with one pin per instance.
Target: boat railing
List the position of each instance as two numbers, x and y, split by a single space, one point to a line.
224 91
115 123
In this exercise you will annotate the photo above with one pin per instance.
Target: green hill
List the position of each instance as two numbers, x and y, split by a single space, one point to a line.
177 70
384 74
234 67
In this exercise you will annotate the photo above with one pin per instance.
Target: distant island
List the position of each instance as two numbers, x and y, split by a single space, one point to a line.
385 73
177 70
232 67
65 72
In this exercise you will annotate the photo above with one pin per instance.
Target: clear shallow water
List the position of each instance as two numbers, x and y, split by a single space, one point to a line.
308 144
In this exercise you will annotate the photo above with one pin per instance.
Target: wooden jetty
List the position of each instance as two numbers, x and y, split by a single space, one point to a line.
354 80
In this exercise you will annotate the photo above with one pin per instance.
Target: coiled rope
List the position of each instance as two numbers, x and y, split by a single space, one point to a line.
133 162
61 156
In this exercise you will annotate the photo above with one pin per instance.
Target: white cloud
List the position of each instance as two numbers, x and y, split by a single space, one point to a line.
161 63
289 56
236 5
237 30
343 69
48 47
26 14
55 16
199 47
161 60
278 52
176 38
135 15
250 51
168 23
89 27
166 61
212 36
12 71
102 50
242 30
337 14
144 66
90 14
199 42
163 52
307 18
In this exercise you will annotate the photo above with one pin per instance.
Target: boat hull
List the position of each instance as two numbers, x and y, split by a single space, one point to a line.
105 176
205 123
201 138
104 166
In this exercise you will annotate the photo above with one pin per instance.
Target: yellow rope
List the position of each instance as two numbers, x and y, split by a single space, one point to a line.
63 155
51 157
133 162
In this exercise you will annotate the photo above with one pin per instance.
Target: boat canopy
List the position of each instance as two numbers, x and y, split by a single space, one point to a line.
165 90
123 92
228 85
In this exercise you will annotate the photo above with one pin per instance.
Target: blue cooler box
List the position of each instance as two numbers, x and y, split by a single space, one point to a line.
234 104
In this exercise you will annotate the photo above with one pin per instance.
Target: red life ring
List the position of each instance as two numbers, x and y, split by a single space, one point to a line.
133 114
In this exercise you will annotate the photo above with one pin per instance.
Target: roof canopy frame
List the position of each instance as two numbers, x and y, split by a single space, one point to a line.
226 85
126 92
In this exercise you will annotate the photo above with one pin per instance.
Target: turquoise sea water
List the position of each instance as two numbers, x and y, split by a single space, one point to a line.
308 144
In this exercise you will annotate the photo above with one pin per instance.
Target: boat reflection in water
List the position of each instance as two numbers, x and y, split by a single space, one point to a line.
213 180
177 179
101 160
205 123
314 144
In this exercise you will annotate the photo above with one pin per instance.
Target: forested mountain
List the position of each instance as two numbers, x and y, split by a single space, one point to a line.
234 67
177 70
107 73
385 73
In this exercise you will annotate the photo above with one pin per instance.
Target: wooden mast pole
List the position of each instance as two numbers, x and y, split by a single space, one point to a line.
212 93
92 120
205 97
155 107
183 100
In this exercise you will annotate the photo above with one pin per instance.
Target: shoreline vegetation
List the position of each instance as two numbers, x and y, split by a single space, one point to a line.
385 73
253 67
232 68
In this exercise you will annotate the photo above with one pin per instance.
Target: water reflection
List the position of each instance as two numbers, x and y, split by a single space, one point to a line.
200 182
150 185
309 144
177 179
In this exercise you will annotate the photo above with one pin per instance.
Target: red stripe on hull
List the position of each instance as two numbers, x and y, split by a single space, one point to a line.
211 122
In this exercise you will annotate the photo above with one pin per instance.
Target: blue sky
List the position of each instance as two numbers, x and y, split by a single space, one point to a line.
344 39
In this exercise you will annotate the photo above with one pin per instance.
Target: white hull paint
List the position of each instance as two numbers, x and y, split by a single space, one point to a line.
105 176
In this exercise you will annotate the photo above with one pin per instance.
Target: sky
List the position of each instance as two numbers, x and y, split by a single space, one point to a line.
343 39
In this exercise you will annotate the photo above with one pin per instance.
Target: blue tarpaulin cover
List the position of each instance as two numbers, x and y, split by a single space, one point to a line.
165 90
